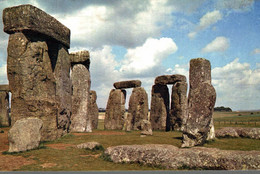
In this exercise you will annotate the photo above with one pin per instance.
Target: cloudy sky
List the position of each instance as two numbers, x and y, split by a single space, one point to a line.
133 39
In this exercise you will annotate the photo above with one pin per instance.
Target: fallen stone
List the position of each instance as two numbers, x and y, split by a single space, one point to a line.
127 84
138 107
93 109
146 128
89 145
159 113
115 110
27 18
25 134
235 132
169 79
171 157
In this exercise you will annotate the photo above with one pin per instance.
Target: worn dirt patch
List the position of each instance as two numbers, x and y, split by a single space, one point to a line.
48 165
100 133
59 146
95 156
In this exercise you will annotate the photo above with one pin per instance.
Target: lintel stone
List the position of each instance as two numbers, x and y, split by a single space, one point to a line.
127 84
4 88
169 79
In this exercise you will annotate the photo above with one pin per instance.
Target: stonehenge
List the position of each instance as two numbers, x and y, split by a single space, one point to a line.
202 96
162 116
4 106
93 109
115 110
38 67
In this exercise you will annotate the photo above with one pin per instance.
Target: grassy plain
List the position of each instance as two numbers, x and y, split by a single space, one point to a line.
61 155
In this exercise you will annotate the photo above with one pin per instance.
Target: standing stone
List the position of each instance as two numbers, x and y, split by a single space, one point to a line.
37 68
80 75
128 122
159 107
93 109
138 107
178 112
25 134
5 119
146 128
115 110
201 101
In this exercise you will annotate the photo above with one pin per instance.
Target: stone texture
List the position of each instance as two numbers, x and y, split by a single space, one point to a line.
27 18
127 84
128 122
89 145
235 132
80 120
25 134
159 107
81 57
169 79
115 110
171 157
5 119
202 96
138 107
93 109
146 128
178 112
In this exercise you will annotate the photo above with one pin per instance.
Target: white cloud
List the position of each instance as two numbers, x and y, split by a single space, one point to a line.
206 21
237 85
219 44
256 51
146 59
237 5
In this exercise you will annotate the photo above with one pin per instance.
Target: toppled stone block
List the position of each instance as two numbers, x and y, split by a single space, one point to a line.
25 134
138 107
115 110
171 157
27 18
236 132
127 84
89 145
169 79
159 107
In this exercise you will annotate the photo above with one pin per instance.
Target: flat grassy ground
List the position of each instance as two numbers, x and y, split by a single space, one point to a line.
62 155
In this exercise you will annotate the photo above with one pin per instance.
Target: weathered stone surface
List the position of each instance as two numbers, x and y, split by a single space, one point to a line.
30 66
115 110
25 134
80 119
27 18
93 109
178 112
159 107
202 96
5 119
89 145
169 79
146 128
127 84
138 107
81 57
171 157
4 88
236 132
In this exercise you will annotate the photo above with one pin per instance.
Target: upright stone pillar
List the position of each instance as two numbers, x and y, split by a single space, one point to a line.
202 96
93 109
159 107
115 110
138 107
80 75
5 119
38 68
178 112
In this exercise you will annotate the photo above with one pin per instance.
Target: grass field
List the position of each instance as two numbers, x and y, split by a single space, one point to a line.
62 155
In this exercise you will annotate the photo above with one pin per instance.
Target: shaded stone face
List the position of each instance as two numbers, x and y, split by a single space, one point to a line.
178 112
25 134
169 79
115 110
5 119
201 101
159 107
138 107
80 120
81 57
127 84
93 109
31 19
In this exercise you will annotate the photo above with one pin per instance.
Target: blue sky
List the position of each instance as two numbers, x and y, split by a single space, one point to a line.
132 39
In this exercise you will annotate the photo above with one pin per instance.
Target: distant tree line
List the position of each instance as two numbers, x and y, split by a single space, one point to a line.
222 109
